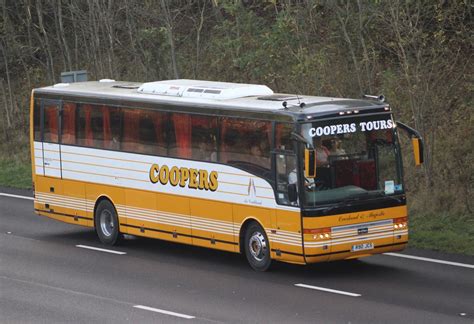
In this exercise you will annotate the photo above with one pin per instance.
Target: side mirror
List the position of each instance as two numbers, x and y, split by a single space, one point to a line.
292 193
417 150
416 141
309 163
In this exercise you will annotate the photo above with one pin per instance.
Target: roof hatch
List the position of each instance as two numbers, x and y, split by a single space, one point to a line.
204 89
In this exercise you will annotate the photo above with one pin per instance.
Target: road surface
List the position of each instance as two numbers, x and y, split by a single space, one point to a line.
50 272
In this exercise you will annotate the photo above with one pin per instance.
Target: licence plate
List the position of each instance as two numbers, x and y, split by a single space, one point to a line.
363 246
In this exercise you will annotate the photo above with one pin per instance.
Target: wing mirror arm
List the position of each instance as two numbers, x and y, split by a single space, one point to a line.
416 140
309 156
297 137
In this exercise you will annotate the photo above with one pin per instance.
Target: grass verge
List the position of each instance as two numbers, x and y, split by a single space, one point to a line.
15 173
443 232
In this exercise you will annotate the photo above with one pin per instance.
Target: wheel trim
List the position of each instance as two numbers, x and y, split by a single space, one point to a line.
258 246
107 225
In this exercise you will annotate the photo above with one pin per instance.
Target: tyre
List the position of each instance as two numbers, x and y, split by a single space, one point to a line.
106 223
257 248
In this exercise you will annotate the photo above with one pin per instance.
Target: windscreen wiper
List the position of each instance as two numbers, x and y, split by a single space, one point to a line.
347 200
354 198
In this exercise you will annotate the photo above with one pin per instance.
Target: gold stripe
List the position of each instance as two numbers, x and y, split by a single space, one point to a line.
108 158
104 166
104 175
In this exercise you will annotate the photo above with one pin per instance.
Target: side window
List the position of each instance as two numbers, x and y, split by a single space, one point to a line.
50 128
204 138
246 144
131 131
161 121
232 149
97 126
286 175
90 126
83 125
152 132
283 139
68 124
180 136
145 131
111 127
37 121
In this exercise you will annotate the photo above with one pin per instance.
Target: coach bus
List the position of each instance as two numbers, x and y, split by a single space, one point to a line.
228 166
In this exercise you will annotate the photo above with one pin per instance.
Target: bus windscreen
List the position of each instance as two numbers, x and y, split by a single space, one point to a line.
356 158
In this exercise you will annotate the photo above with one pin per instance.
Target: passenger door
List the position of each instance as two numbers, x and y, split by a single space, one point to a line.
287 236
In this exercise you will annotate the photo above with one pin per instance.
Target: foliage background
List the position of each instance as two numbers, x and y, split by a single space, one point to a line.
419 54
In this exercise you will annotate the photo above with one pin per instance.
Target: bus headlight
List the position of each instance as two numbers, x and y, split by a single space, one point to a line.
400 223
319 233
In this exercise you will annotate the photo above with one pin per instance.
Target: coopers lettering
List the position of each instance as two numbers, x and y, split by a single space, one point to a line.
192 178
351 128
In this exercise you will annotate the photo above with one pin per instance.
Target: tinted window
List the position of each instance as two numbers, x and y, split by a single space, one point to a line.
180 139
131 124
145 131
89 126
98 126
204 138
37 121
50 128
83 126
283 139
68 135
152 133
112 121
246 144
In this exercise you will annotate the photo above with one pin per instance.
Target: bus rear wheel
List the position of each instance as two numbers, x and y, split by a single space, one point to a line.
106 223
257 248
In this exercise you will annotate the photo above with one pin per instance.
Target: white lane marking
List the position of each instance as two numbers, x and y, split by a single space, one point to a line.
328 290
99 249
16 196
406 256
162 311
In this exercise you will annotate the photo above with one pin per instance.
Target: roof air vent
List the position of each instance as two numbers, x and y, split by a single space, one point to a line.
204 89
61 85
126 86
278 97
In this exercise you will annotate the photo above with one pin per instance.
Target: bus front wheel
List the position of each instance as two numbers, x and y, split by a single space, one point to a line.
106 223
257 248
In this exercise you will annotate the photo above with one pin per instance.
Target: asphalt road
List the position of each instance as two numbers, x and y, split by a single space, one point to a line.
45 277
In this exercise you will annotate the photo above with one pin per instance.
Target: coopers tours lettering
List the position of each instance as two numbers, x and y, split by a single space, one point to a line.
351 128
